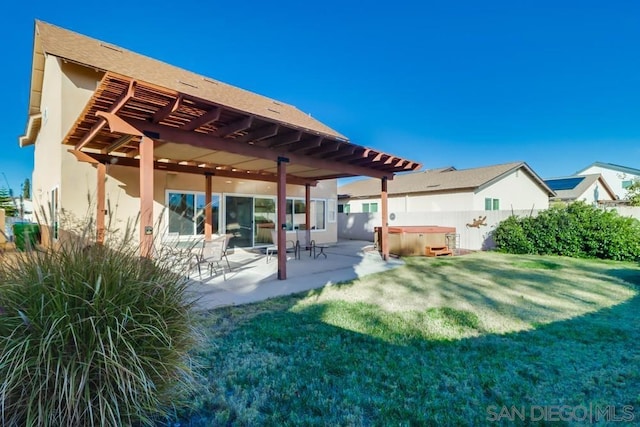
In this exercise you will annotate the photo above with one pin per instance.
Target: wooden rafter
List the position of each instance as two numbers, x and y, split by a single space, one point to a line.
208 117
281 141
306 145
168 109
264 132
237 126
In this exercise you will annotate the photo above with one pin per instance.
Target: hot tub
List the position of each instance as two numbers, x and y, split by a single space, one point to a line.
413 239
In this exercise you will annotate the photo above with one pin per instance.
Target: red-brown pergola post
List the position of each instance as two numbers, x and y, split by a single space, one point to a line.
282 219
307 212
384 240
146 197
208 209
100 203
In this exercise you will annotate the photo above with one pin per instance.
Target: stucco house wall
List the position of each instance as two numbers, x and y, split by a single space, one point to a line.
514 191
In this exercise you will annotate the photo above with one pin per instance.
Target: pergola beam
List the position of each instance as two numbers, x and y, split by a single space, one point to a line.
190 169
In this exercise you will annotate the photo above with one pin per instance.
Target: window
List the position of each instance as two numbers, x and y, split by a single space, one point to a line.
187 213
317 215
491 204
627 183
370 207
296 209
331 210
343 208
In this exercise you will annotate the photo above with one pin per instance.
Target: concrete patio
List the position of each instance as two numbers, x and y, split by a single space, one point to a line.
252 279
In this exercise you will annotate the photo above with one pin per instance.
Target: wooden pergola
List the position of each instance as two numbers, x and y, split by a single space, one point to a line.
133 123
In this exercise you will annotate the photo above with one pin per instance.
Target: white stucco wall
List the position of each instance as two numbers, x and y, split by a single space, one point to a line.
516 191
612 177
589 194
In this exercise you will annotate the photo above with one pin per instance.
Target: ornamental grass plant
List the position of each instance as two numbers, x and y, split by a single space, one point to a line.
93 335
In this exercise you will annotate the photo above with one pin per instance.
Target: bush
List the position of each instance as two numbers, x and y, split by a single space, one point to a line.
91 336
577 230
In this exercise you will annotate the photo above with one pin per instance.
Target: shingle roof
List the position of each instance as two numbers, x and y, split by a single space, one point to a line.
90 52
579 184
612 166
440 180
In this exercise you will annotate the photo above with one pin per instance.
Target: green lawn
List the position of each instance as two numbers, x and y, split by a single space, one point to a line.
439 341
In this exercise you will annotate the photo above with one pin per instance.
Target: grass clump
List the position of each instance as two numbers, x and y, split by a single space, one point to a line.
91 335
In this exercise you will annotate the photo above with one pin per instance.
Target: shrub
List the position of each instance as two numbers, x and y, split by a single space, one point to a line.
91 336
576 230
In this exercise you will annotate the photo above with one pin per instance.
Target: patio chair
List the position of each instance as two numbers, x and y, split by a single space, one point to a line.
290 246
227 238
302 242
213 251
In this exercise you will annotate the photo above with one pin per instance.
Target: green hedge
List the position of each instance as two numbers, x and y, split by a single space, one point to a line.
577 230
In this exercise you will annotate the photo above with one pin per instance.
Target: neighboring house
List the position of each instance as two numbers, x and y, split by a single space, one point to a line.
511 186
140 138
591 189
618 177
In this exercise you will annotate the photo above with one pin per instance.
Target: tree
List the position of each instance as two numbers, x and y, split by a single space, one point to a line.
633 193
26 189
7 203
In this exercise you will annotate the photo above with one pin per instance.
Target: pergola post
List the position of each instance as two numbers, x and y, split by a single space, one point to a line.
100 203
282 219
208 209
146 197
384 240
307 212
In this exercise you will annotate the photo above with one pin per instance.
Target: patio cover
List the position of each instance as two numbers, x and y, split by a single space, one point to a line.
151 115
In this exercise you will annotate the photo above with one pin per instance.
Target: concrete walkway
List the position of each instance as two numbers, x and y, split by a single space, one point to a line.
252 279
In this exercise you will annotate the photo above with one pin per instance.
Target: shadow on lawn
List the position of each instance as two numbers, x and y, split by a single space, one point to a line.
515 293
287 365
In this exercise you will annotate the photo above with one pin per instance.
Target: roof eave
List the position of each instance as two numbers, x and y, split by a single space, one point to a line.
31 133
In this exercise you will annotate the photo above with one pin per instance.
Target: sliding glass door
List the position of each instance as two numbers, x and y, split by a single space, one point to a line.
239 220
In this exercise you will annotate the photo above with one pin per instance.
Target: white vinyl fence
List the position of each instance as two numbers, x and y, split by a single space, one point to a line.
359 226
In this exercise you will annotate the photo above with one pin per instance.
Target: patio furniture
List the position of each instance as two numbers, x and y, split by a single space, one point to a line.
303 242
290 246
322 248
213 251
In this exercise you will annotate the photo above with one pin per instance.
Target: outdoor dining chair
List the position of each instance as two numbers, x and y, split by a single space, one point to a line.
213 252
302 242
290 246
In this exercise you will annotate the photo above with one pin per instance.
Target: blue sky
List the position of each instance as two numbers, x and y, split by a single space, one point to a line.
462 83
